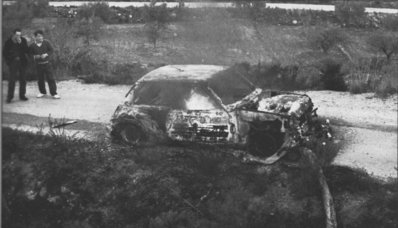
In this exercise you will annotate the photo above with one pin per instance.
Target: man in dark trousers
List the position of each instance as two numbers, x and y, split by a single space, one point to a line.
42 50
14 52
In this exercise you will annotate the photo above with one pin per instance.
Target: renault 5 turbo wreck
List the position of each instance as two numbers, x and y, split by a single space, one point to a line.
212 105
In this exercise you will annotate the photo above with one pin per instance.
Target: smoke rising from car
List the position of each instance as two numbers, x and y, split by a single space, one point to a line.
198 102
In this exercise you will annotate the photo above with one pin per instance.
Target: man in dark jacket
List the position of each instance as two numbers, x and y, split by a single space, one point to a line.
14 52
42 50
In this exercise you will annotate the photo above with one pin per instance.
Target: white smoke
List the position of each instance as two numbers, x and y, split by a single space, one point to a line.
198 102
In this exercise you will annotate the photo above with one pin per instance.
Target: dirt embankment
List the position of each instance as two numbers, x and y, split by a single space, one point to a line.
368 125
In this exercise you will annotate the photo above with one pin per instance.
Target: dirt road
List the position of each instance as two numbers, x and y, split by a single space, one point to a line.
368 125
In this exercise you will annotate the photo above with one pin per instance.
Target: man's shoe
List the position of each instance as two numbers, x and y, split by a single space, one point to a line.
40 95
56 96
8 100
23 98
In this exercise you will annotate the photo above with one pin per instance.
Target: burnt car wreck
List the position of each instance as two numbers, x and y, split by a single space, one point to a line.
213 105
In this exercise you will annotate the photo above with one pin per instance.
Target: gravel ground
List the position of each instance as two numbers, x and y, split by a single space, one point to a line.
369 124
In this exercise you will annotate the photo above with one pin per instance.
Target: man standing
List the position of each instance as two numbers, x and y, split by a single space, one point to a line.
41 50
14 52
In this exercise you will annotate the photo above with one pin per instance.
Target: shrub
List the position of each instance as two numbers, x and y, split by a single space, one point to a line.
61 36
390 22
89 29
125 73
40 8
99 9
351 14
271 75
374 75
91 65
309 77
156 20
388 82
358 83
332 76
328 39
274 75
386 43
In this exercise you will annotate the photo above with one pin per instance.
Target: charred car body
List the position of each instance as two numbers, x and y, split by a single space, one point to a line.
213 105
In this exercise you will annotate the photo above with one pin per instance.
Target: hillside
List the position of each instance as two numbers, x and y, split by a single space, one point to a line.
223 42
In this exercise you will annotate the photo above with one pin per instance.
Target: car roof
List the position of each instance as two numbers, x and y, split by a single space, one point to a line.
182 73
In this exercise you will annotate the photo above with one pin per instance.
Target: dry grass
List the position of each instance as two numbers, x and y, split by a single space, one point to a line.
225 42
60 183
382 81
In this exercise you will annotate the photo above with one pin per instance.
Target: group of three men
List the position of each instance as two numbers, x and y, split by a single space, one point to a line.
16 53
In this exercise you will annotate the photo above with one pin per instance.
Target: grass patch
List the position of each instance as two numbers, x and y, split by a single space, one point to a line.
51 182
374 77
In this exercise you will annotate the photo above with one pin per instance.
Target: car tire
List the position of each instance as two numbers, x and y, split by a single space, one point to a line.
264 144
131 134
293 155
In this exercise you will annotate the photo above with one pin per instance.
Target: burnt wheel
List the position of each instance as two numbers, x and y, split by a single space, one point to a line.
130 133
294 155
264 144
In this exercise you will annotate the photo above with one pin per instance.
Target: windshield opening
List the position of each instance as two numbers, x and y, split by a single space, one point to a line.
174 94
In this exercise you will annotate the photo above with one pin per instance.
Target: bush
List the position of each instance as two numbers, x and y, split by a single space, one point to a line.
358 83
40 8
126 74
90 62
351 14
61 36
390 22
327 74
328 39
89 29
270 75
386 43
99 9
309 77
332 76
91 65
388 82
374 75
156 20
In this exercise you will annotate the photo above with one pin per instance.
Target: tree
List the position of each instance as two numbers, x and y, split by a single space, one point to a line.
156 20
387 43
